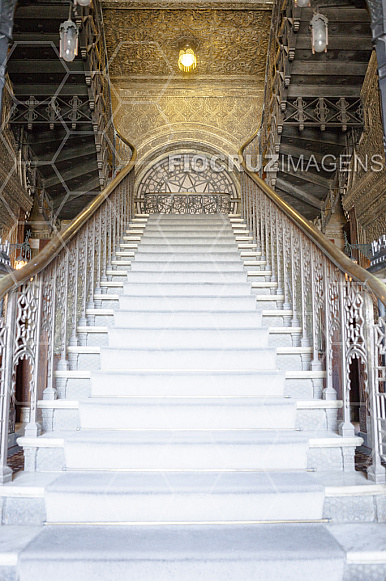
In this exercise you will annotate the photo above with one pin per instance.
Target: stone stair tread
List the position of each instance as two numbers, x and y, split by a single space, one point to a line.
190 401
175 437
180 482
364 543
207 552
191 372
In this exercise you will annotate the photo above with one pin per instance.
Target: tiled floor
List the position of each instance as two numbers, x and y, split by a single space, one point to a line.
16 462
362 461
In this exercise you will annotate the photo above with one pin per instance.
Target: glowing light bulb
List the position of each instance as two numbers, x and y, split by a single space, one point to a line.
302 3
83 2
187 60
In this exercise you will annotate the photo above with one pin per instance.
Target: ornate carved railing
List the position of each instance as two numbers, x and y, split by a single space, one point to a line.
330 301
44 302
186 203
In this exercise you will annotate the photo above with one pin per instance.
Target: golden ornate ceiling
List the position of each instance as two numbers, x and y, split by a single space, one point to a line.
219 102
146 42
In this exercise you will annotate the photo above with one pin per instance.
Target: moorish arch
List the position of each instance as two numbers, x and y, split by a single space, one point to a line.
188 180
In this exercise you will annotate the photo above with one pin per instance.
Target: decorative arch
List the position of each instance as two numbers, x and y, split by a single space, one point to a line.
189 182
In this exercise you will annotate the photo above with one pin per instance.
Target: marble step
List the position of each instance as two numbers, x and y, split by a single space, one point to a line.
187 338
173 265
206 249
184 303
186 450
154 383
180 358
195 236
109 413
207 255
180 289
187 319
188 276
275 552
138 497
226 241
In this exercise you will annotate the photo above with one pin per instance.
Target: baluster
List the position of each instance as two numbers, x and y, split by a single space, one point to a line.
316 291
253 212
90 287
249 207
257 220
98 290
284 241
243 198
116 213
7 344
50 391
83 318
109 212
273 261
267 253
374 338
279 255
63 363
74 338
303 295
104 248
345 428
294 260
261 221
34 295
329 393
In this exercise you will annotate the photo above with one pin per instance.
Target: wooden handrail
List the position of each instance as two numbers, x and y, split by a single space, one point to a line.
43 258
342 261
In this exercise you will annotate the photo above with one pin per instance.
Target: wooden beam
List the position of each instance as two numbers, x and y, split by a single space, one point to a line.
66 175
296 152
56 11
67 153
307 176
68 90
299 194
297 90
44 67
328 68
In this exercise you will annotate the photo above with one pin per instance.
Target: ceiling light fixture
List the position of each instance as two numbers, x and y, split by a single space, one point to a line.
68 46
187 60
319 33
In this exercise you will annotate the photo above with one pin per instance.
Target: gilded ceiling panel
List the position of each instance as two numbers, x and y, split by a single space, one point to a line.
146 42
219 104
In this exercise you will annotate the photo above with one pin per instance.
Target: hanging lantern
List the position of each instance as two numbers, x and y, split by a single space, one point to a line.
319 33
187 60
68 40
83 2
302 3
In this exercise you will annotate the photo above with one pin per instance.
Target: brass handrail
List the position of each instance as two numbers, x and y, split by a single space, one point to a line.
342 261
43 258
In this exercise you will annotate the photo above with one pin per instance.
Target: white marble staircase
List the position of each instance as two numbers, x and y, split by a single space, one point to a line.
201 428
